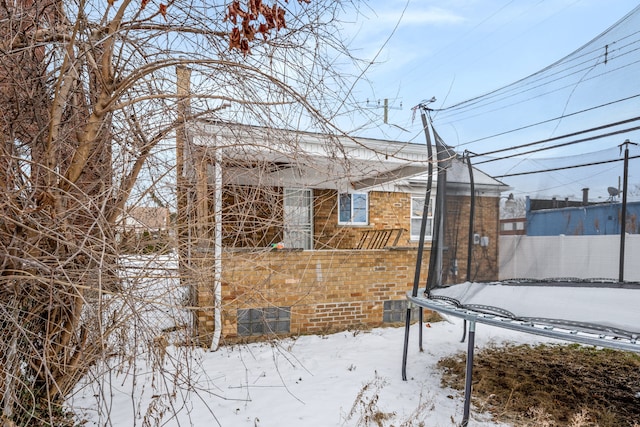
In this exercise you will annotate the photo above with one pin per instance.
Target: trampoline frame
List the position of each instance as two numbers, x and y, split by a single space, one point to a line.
578 332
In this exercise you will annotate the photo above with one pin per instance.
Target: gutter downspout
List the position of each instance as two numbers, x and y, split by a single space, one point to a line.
217 248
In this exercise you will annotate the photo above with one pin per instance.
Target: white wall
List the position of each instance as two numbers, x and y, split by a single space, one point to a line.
585 257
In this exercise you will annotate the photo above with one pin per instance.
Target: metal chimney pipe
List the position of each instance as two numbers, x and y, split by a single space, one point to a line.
585 196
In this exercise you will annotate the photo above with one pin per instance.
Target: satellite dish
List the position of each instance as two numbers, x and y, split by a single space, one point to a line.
613 191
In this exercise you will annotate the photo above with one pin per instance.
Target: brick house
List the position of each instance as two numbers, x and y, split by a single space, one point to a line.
299 232
144 229
138 219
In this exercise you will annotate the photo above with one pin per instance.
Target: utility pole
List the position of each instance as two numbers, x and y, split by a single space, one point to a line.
385 106
183 110
623 215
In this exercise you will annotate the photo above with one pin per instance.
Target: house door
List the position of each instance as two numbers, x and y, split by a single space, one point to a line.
298 218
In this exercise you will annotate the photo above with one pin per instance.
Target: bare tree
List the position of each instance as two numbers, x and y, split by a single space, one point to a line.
88 120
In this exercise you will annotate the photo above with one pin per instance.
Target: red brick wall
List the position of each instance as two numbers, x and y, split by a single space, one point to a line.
330 290
484 261
326 290
386 210
392 210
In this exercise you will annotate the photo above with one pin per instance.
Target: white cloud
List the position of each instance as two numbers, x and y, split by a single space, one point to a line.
420 16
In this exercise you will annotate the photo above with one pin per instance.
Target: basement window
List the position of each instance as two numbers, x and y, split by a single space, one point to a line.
396 311
262 321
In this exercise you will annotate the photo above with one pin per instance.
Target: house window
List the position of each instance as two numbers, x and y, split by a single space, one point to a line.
512 226
417 209
396 311
261 321
353 208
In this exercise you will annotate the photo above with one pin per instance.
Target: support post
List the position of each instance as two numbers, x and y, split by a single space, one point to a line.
472 210
405 348
469 374
420 322
217 251
423 227
623 214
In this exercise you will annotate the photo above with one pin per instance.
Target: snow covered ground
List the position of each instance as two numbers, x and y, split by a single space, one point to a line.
334 380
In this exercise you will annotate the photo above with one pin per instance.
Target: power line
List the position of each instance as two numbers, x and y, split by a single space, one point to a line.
592 138
521 101
601 55
563 168
605 51
543 141
598 77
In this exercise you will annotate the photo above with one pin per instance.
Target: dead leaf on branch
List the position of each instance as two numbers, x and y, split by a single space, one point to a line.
256 18
264 30
255 7
233 11
234 39
248 30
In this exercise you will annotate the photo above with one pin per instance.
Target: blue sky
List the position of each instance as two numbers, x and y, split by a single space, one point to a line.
457 50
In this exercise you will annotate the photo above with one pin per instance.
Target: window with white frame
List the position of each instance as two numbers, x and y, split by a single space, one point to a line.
353 208
417 209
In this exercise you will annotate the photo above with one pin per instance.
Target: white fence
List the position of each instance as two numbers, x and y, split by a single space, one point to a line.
584 257
151 288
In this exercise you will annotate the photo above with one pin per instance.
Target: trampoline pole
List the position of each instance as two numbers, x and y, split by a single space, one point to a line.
472 209
423 227
405 349
469 374
420 322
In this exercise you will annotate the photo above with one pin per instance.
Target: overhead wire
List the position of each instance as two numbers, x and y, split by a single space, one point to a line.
602 162
541 79
528 10
530 144
558 118
540 95
531 80
593 138
528 80
610 56
567 60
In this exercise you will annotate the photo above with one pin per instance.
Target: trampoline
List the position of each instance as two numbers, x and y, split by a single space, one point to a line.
597 312
541 308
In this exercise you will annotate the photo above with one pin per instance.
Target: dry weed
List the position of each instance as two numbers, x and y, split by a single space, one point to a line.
365 408
552 385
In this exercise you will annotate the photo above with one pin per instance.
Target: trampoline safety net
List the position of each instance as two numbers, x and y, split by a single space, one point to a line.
535 195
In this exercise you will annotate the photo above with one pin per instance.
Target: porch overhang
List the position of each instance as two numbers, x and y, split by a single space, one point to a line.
284 158
401 173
